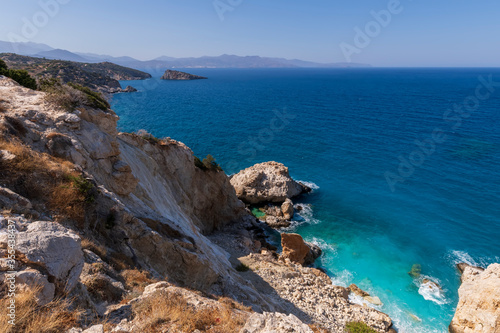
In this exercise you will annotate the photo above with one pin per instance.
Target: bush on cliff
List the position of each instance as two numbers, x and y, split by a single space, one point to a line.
208 163
147 136
20 76
358 327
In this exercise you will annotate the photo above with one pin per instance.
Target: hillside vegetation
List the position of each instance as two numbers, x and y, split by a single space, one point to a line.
101 76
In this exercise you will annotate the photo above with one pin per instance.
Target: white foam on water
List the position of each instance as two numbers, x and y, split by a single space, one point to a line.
342 278
430 290
323 245
306 215
311 185
457 257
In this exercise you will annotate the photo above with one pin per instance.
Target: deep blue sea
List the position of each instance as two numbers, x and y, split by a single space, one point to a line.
406 163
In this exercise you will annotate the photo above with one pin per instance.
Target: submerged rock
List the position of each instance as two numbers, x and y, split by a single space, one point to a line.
358 291
373 300
415 271
266 182
478 308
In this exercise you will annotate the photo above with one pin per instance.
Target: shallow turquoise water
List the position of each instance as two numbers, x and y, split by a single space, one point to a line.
343 130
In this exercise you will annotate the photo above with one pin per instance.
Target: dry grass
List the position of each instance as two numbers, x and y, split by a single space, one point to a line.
88 244
317 329
137 280
31 318
42 178
169 310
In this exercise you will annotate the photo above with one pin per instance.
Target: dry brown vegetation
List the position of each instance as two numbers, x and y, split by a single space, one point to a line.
89 244
317 329
43 179
170 310
31 318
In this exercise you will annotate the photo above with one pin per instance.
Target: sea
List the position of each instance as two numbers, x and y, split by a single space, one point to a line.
404 164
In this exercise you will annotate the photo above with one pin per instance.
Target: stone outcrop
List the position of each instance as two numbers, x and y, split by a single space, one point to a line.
295 249
478 307
274 322
177 75
287 209
53 257
266 182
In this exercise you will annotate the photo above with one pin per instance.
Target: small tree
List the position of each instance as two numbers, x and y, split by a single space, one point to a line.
210 164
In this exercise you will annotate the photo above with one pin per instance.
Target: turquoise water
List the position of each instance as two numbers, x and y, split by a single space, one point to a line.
345 130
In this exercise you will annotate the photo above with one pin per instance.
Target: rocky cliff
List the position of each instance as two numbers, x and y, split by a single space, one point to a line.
177 75
478 308
100 214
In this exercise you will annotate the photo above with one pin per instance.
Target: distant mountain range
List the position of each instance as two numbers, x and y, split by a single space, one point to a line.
163 62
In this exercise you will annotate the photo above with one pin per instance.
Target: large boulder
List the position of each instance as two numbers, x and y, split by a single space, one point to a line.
295 249
57 249
274 322
266 182
478 307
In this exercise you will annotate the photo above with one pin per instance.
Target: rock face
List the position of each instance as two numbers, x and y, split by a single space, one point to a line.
266 182
177 75
274 322
295 249
57 249
478 307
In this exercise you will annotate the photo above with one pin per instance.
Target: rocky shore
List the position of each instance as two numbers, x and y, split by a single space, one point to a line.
141 239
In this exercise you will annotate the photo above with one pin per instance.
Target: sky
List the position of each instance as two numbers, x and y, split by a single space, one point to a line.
397 33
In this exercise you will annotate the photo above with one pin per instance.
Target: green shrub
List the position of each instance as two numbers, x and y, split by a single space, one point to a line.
199 164
358 327
20 76
208 163
3 66
84 186
242 268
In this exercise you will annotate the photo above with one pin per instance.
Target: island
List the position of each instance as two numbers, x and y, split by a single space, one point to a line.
178 75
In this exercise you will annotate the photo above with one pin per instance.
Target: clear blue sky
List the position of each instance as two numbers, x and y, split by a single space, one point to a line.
424 33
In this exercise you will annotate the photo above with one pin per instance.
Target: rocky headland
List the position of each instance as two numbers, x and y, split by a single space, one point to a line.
102 77
178 75
123 232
